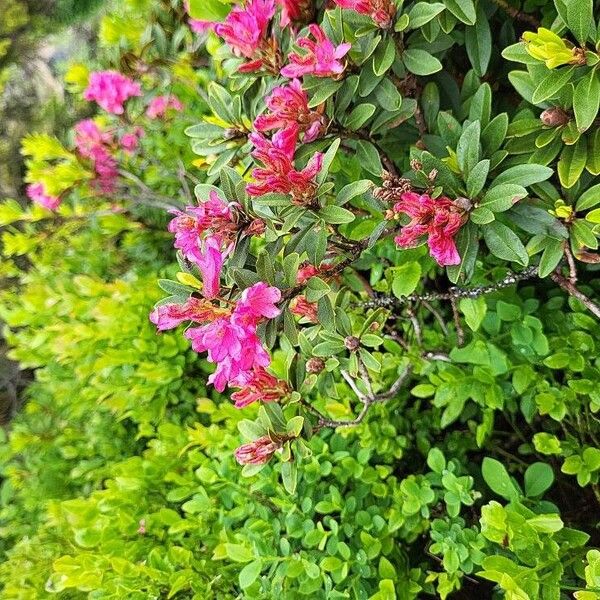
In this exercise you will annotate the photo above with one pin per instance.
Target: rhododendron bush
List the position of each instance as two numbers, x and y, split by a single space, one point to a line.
375 224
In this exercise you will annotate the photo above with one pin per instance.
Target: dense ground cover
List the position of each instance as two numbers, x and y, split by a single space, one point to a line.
385 232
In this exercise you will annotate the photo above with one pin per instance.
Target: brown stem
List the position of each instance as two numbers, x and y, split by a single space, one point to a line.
515 13
460 334
570 288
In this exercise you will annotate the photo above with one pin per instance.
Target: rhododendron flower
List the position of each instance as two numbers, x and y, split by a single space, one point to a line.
245 29
301 307
257 452
111 90
129 141
381 11
294 10
159 106
278 173
37 193
321 58
258 385
258 302
211 217
438 219
169 316
89 136
288 105
210 262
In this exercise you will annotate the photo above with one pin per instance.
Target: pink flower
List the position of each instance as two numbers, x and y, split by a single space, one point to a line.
381 11
212 217
258 302
321 58
294 10
111 90
129 141
89 136
210 262
278 173
257 452
169 316
305 273
198 26
301 307
258 385
245 29
288 105
37 193
438 219
159 106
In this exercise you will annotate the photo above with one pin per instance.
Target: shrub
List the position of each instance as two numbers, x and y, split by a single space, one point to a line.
391 262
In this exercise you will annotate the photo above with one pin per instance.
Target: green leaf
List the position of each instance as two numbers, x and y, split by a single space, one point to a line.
504 243
289 476
420 62
467 149
326 89
474 310
538 478
503 196
580 18
478 43
552 84
368 157
477 178
586 100
328 159
524 175
406 279
551 257
350 191
498 480
359 116
336 215
423 12
572 162
589 198
463 10
239 553
208 10
384 56
316 288
249 574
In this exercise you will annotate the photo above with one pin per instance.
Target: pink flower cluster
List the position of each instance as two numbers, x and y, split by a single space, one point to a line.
111 90
230 339
97 145
381 11
288 106
245 31
294 11
205 235
37 193
159 106
278 173
259 385
320 57
439 219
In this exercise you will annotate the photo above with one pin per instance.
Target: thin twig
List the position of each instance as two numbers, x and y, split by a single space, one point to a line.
362 397
416 326
395 387
571 263
460 334
515 13
437 316
570 288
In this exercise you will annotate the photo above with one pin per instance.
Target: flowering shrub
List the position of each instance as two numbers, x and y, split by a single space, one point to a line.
388 262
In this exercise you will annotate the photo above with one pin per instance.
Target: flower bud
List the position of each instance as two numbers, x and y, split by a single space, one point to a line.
554 117
352 343
257 452
315 365
257 227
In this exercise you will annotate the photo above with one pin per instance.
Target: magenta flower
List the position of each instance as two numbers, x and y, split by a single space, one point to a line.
130 141
245 29
288 105
212 217
294 11
37 193
320 58
169 316
438 219
111 90
159 106
258 302
381 11
278 173
89 136
257 452
210 262
258 385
